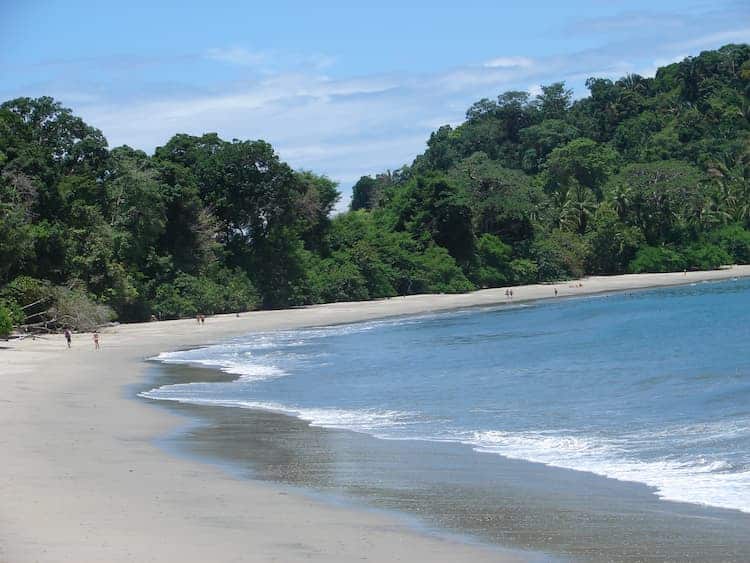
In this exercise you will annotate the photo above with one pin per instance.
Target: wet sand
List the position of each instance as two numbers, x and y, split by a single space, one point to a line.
84 479
450 488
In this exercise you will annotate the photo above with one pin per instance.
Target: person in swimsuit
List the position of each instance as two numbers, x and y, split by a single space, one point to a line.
68 336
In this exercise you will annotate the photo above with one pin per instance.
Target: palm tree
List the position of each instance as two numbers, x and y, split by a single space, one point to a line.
622 200
731 180
578 208
633 82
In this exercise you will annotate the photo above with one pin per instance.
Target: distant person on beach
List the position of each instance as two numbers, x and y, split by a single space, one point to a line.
203 319
511 293
507 293
68 336
96 341
555 292
198 318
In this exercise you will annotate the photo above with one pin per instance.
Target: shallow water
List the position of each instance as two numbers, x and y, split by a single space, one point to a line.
650 387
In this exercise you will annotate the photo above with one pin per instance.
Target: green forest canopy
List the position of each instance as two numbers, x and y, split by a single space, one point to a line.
644 174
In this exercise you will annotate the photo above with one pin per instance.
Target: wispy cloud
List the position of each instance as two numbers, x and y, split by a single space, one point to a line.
509 62
628 22
270 61
710 40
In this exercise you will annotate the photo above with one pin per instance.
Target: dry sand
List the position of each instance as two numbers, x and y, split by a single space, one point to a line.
82 480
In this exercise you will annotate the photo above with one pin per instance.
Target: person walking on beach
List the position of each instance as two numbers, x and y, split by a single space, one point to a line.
555 292
96 340
68 336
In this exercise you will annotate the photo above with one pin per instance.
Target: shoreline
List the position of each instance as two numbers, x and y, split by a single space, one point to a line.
85 481
450 490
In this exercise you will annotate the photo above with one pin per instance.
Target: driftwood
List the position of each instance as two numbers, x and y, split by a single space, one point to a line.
37 302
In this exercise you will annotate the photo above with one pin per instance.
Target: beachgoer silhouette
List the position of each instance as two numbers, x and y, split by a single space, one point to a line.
96 341
203 319
555 292
68 336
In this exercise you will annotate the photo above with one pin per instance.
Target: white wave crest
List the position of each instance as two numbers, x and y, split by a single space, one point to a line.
704 481
364 421
245 369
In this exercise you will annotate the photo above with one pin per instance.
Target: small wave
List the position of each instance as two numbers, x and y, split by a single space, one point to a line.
365 421
247 371
711 482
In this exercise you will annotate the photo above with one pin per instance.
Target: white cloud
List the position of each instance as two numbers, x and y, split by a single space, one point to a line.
509 62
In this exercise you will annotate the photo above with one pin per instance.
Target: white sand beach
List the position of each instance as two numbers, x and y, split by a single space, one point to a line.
83 480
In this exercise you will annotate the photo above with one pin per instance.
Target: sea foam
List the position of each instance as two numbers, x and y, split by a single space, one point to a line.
711 482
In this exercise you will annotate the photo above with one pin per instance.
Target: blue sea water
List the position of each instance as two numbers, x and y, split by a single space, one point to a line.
648 386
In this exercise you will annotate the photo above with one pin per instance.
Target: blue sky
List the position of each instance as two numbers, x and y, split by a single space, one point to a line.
340 88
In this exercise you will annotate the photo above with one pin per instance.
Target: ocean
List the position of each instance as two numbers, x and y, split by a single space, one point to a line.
646 387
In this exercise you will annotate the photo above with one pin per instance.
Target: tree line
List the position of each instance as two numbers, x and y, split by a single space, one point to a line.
642 175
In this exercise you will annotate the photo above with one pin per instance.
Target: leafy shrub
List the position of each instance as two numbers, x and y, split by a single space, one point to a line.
439 273
704 256
340 280
6 323
657 259
524 271
224 292
561 255
493 257
735 241
25 291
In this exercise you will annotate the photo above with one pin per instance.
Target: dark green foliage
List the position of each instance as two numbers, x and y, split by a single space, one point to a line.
560 255
524 271
735 241
705 256
364 194
584 161
503 202
219 291
438 273
612 243
493 257
657 259
6 322
644 174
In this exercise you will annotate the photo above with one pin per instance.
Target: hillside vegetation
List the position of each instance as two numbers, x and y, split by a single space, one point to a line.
644 174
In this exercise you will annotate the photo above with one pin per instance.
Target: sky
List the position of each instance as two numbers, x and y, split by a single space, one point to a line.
341 88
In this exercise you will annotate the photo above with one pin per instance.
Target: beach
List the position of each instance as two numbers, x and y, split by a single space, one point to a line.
84 479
